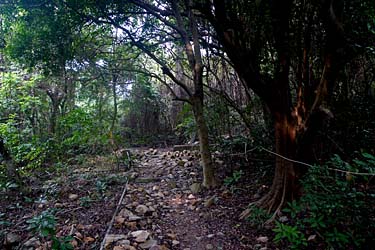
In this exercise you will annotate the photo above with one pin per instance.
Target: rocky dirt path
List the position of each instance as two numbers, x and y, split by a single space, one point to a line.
165 207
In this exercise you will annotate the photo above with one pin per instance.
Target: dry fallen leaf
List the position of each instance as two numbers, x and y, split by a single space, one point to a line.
88 239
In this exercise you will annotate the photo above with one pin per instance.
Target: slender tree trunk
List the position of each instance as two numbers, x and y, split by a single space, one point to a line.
99 105
114 118
114 82
53 118
209 180
10 166
177 106
4 151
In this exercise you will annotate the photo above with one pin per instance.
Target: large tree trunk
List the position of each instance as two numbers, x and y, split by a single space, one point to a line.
284 187
209 180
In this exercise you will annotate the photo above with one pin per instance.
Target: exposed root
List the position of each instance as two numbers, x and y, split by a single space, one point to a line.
245 213
281 203
271 202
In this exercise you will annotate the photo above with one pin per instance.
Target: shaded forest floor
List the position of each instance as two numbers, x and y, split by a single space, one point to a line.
163 207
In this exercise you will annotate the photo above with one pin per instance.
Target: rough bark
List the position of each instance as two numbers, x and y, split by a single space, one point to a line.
209 180
284 187
56 97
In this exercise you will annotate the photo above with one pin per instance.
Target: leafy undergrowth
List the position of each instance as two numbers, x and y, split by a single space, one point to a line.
336 210
79 198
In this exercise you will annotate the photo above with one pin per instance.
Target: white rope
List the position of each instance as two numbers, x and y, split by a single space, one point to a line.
309 165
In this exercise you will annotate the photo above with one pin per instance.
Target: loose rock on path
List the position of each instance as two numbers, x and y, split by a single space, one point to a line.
165 207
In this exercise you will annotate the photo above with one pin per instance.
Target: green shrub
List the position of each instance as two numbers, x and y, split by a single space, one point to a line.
235 144
291 234
85 201
45 225
232 180
186 126
101 187
76 130
27 152
337 206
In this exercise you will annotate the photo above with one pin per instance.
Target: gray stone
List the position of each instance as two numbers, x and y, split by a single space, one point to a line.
141 209
170 176
134 218
209 247
32 242
112 238
12 239
262 239
148 244
156 248
125 213
124 242
188 164
73 197
140 235
59 205
125 248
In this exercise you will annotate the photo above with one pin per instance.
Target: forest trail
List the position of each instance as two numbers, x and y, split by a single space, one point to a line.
166 208
163 206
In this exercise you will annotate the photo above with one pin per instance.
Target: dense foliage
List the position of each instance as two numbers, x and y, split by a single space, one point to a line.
335 208
81 78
